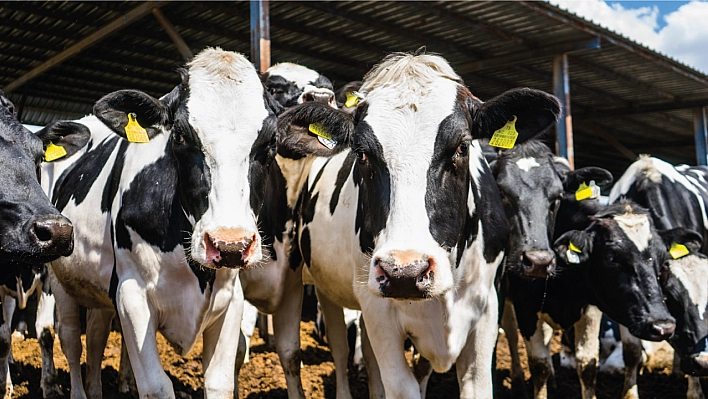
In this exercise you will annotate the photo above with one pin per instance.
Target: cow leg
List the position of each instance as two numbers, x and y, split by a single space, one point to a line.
248 326
587 350
539 353
9 305
632 355
139 324
69 329
511 328
126 378
376 389
240 358
44 326
474 364
98 326
358 356
336 331
694 389
286 329
220 349
5 348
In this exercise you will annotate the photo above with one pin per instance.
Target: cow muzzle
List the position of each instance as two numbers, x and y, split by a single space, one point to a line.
231 248
657 330
52 234
405 275
324 96
538 263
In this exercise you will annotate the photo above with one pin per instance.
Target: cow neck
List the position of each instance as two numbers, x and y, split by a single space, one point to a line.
295 172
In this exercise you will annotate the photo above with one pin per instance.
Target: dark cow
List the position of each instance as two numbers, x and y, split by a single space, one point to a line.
408 226
612 265
167 218
677 197
31 229
18 282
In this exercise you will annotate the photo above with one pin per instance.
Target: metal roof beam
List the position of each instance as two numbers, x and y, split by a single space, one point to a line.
531 55
117 24
173 34
642 109
576 23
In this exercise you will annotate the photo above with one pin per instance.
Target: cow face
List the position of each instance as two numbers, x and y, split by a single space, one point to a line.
31 229
683 281
620 254
413 138
291 84
533 184
221 126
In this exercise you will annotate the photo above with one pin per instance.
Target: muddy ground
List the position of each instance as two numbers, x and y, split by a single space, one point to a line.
263 377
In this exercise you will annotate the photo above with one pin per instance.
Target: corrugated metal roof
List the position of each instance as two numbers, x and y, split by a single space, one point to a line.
623 90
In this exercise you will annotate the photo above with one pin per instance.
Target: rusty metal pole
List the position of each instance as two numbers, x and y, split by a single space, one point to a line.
564 128
699 127
260 34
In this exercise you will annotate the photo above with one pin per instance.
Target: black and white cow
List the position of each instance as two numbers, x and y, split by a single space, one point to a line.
18 283
683 281
408 226
31 229
676 197
165 226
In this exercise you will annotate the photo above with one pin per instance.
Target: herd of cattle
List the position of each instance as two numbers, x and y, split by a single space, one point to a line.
235 187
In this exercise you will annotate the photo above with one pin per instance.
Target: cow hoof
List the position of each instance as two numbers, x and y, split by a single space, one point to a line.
52 392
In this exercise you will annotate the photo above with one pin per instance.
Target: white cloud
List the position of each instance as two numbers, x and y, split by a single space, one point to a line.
685 36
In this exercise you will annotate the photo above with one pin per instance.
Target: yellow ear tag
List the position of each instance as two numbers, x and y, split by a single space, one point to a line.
54 152
573 248
134 132
587 192
352 100
506 136
678 250
323 136
572 253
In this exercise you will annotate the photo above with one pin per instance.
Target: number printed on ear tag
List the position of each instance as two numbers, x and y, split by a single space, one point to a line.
506 136
54 152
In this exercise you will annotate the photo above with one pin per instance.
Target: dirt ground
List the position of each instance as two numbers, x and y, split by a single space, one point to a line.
263 377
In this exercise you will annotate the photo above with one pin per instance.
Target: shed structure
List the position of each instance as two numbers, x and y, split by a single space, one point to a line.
60 57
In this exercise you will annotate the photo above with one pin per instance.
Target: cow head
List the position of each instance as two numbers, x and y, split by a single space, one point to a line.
620 254
31 229
291 84
221 128
533 184
416 160
683 280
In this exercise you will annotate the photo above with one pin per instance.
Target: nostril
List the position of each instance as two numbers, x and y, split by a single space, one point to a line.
43 231
664 328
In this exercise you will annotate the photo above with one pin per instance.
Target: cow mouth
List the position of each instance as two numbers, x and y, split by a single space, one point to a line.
230 254
397 282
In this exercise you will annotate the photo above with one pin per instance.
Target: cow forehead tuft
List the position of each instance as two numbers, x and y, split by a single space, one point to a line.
636 226
221 64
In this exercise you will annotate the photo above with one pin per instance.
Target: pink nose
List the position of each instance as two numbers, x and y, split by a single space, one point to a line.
405 274
231 248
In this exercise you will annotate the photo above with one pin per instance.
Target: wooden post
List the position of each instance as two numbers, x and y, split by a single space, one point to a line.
699 127
260 34
564 128
173 34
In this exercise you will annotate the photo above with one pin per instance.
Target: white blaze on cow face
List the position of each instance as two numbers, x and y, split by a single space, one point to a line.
637 229
226 110
692 271
526 164
407 102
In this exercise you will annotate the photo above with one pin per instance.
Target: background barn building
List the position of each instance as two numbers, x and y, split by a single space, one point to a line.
621 98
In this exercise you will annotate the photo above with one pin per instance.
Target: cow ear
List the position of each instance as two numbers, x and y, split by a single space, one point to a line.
116 110
574 246
692 240
313 128
532 112
573 179
63 139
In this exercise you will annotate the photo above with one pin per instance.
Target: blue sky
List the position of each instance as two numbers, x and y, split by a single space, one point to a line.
678 29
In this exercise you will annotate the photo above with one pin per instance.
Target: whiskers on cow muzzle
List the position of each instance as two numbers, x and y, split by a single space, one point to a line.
405 275
232 248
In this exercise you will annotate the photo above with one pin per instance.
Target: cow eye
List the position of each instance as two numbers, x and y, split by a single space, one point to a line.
462 149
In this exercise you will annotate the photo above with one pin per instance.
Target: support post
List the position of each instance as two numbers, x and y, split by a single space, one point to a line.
260 34
699 127
173 34
564 128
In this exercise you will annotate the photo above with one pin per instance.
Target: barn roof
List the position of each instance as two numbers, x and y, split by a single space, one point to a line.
60 57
